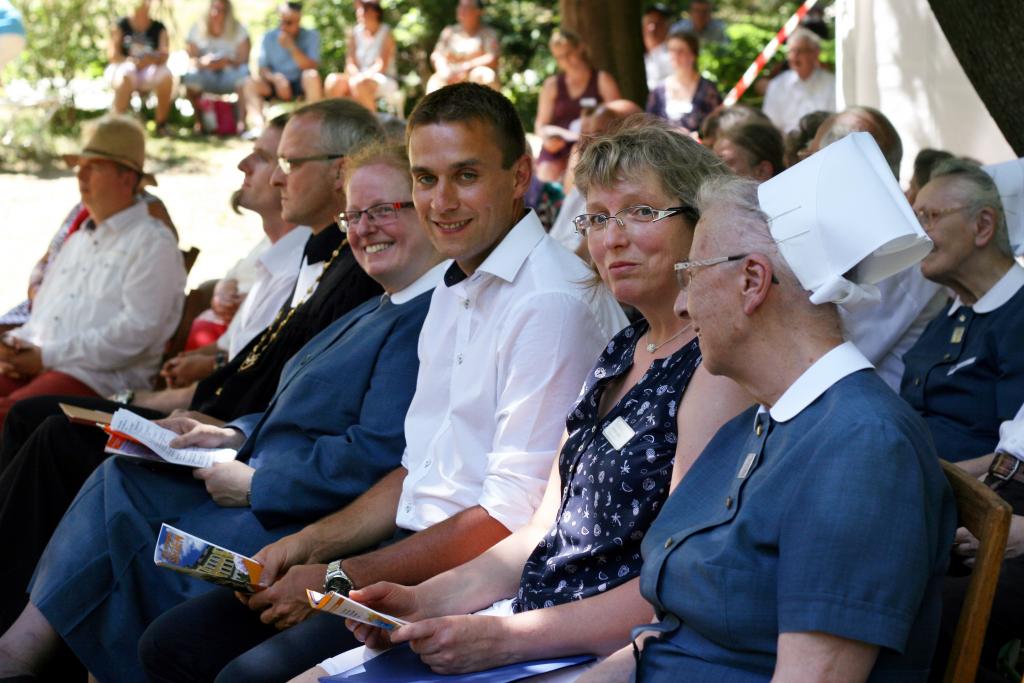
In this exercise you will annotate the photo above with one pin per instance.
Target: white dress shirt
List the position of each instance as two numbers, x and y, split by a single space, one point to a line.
788 98
886 330
308 274
246 270
1011 436
503 354
277 268
658 65
110 300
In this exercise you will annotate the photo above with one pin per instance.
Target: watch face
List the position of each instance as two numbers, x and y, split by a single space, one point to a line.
339 584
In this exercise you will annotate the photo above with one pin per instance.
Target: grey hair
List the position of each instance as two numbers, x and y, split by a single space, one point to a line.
751 227
868 120
803 35
646 143
748 227
982 193
345 125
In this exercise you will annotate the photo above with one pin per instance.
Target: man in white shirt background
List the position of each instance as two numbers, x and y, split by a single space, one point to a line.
654 27
805 87
510 335
113 295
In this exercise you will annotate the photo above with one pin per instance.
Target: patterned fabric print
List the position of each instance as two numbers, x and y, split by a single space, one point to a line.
609 497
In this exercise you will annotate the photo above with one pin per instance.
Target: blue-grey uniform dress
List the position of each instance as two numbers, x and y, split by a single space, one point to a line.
610 495
965 374
838 520
333 428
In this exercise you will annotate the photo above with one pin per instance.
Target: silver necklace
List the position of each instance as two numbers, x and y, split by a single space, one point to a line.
651 348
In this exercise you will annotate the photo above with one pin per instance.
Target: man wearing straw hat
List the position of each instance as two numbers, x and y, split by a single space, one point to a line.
114 293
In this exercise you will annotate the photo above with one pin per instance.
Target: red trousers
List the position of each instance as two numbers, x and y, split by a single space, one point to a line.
49 382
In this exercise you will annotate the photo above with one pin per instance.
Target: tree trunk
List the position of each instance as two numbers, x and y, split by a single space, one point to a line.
987 38
611 30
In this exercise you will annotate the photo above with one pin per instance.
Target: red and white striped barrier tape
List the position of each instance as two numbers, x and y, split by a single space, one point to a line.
767 53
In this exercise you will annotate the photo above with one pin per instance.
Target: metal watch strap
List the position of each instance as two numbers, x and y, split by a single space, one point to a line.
336 579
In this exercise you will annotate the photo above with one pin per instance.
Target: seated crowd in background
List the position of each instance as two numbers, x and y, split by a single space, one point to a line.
711 502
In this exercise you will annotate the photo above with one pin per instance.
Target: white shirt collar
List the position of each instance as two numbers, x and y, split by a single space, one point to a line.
125 218
510 254
281 256
998 294
841 361
430 279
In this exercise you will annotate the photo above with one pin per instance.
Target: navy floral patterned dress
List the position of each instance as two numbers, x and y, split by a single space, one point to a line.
609 496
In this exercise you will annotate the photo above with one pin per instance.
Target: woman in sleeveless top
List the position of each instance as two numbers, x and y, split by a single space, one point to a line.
566 584
137 51
370 64
578 85
685 98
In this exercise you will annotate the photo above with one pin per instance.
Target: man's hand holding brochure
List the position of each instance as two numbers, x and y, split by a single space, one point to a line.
182 552
128 430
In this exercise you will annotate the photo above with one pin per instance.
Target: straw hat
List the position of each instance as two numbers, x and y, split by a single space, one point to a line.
119 139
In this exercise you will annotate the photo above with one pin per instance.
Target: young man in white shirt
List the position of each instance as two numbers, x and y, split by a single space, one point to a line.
114 293
510 335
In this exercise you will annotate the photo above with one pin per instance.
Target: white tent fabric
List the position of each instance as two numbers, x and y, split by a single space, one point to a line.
892 55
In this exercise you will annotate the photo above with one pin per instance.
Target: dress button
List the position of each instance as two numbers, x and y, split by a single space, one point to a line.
668 542
465 303
728 502
426 463
917 381
408 508
946 357
962 318
458 359
758 429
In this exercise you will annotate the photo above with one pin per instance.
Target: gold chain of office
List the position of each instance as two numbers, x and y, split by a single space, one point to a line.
270 334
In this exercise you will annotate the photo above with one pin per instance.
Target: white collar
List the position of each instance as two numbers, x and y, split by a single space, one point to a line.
430 279
125 218
1001 292
510 254
841 361
280 257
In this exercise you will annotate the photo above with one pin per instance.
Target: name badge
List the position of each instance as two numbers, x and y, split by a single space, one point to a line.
748 464
618 433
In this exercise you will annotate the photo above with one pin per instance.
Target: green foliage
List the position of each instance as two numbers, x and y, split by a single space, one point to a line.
66 38
523 27
725 64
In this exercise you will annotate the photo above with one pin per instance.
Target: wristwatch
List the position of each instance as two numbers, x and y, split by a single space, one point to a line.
125 396
337 580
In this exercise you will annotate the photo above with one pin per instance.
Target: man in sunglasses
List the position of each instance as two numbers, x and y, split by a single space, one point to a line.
289 57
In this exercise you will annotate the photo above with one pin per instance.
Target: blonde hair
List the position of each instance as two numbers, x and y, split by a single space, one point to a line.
645 143
386 153
231 25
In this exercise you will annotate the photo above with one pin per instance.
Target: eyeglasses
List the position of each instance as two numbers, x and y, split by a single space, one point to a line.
639 214
377 214
928 216
287 165
685 269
